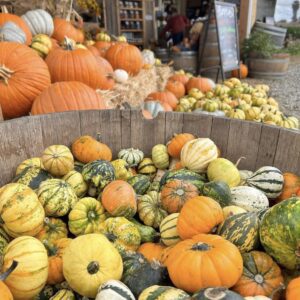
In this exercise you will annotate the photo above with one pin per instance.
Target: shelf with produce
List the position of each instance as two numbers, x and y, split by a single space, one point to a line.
132 8
131 30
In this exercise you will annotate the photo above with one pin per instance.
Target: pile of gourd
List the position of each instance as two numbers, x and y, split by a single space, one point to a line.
181 223
238 100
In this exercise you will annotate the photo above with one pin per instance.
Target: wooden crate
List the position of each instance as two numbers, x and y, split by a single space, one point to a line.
260 144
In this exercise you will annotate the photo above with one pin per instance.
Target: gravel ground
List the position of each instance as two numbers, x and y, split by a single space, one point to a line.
286 91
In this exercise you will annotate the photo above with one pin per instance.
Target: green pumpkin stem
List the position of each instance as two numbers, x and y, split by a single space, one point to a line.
93 267
111 237
51 249
201 247
4 275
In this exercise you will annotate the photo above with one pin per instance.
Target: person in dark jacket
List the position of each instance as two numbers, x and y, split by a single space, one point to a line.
177 25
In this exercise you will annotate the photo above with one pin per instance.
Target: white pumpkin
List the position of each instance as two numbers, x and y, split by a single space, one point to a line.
249 198
154 107
148 57
258 298
121 76
198 153
39 21
10 32
114 290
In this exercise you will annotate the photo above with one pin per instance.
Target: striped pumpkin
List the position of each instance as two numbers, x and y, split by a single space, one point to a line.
31 162
267 179
156 292
63 295
57 197
132 156
249 198
4 240
76 181
242 230
114 289
168 230
147 167
140 183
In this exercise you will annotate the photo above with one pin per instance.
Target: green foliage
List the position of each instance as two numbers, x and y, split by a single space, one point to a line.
293 48
294 32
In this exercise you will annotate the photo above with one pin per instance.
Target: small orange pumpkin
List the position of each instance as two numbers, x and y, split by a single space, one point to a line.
181 78
176 87
175 193
293 289
5 292
201 83
94 50
87 149
152 251
177 142
243 72
163 97
199 215
290 187
64 28
165 254
102 47
119 199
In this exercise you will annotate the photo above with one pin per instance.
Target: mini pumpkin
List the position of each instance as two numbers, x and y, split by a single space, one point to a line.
122 170
200 83
177 142
160 156
42 44
114 289
176 87
293 289
151 251
168 230
76 181
31 162
163 97
132 156
147 167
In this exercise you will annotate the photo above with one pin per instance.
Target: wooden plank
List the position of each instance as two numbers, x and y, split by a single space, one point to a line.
60 128
197 124
174 124
267 146
287 152
247 17
219 133
136 130
243 141
89 122
125 129
1 114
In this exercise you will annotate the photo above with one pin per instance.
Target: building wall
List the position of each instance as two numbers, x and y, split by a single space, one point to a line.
265 8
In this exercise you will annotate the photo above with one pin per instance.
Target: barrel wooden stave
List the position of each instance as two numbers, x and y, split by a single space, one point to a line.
185 60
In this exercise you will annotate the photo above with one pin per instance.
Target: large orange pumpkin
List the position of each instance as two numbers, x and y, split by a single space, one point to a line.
163 97
177 142
94 50
293 289
126 57
152 251
243 72
175 193
23 76
7 17
72 64
199 215
67 96
204 261
102 47
87 149
107 69
261 275
201 83
290 187
176 87
119 199
181 78
64 28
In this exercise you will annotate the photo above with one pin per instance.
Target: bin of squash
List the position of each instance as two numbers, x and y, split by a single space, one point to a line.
182 222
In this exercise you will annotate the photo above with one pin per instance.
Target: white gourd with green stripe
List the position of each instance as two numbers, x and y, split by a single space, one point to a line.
168 230
114 290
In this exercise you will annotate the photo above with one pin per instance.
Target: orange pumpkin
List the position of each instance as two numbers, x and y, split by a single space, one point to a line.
203 261
293 289
166 106
102 47
87 149
165 254
126 57
22 80
290 187
261 275
107 70
119 199
67 96
7 17
176 87
199 215
181 78
54 44
201 83
94 50
72 64
163 97
175 193
177 142
152 251
243 72
55 252
64 28
5 292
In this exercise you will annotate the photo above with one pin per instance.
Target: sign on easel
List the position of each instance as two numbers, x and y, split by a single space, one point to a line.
227 35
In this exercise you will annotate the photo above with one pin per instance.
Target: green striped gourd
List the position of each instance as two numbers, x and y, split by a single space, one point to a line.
57 197
147 167
168 230
267 179
114 289
32 177
249 198
185 175
63 295
132 156
4 240
279 233
140 183
147 233
31 162
242 230
219 191
75 179
157 292
78 166
160 156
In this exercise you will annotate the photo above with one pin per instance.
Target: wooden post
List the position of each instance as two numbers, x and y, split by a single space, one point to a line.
247 17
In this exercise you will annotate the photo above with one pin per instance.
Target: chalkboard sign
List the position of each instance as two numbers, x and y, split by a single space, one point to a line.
226 20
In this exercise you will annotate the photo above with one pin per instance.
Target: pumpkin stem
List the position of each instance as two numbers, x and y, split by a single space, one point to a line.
201 247
91 215
4 275
68 44
4 9
98 136
259 278
239 160
52 250
93 267
215 293
111 237
5 74
49 224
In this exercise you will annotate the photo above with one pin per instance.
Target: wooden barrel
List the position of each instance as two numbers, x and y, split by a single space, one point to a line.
163 54
262 145
186 60
268 68
276 33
